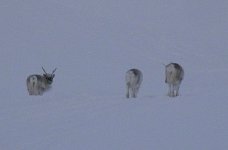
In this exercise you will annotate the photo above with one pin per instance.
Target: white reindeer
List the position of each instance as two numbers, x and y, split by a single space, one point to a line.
134 79
37 84
174 75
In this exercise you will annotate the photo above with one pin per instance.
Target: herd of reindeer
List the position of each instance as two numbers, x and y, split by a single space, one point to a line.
174 74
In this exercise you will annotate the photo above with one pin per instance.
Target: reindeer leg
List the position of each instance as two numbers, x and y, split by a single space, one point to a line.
134 90
177 89
127 93
170 90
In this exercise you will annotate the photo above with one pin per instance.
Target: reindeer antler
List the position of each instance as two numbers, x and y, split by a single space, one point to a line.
54 70
44 70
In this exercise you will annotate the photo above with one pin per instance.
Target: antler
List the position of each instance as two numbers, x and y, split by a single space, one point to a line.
54 70
44 70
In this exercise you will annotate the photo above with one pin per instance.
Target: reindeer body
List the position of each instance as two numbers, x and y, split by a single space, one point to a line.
174 75
133 79
37 84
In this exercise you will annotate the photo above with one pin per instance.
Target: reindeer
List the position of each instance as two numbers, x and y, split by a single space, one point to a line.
134 79
37 84
174 74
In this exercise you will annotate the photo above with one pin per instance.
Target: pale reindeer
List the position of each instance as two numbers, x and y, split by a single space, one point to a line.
174 74
133 79
37 84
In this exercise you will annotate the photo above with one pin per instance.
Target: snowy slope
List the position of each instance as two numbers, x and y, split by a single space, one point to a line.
93 44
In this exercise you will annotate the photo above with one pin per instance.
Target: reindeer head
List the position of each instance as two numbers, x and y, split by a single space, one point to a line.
49 76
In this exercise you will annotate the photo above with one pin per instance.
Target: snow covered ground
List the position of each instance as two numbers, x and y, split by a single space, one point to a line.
93 43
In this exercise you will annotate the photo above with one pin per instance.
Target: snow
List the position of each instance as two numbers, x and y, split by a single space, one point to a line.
93 44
